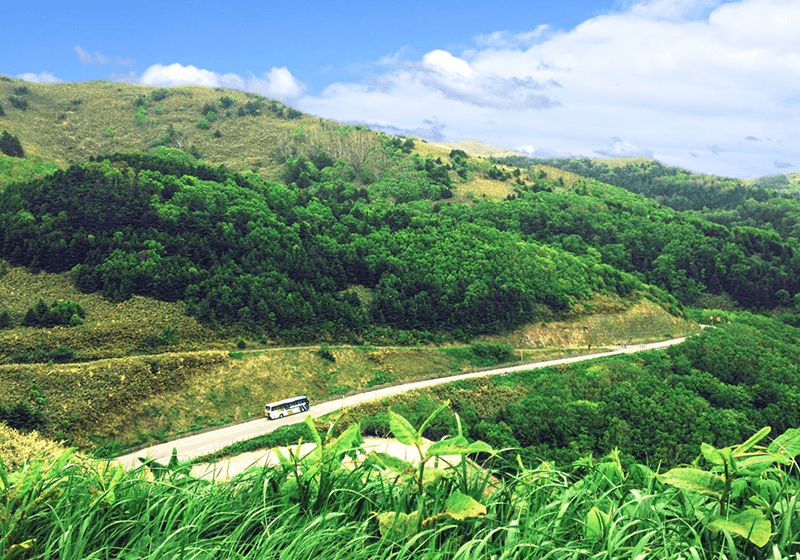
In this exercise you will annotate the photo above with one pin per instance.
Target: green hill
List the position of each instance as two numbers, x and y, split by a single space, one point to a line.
289 229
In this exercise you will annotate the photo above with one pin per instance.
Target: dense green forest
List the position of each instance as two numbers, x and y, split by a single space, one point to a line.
287 259
767 203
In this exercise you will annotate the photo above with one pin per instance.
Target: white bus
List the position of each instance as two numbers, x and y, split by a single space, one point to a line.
286 407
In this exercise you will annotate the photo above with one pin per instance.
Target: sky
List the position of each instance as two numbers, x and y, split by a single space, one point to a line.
709 85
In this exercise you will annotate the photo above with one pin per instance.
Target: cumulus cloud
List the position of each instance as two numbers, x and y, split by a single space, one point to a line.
783 164
278 83
456 79
177 74
676 75
42 77
621 148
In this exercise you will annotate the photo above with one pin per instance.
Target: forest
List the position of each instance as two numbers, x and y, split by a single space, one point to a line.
324 252
286 259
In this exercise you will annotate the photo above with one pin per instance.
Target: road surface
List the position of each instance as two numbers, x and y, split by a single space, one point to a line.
206 443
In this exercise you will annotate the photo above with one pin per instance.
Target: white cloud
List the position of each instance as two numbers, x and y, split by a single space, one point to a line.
98 58
621 148
83 55
278 83
672 76
177 74
43 77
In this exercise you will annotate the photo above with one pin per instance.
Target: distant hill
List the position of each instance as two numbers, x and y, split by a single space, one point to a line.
69 122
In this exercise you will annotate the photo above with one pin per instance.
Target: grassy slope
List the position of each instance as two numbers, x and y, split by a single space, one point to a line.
69 122
131 390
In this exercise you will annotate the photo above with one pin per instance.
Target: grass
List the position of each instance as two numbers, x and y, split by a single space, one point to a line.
323 505
68 122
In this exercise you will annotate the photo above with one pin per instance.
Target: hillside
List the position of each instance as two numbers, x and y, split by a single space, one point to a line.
175 268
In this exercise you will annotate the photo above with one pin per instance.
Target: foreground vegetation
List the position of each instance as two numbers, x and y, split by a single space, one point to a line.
734 502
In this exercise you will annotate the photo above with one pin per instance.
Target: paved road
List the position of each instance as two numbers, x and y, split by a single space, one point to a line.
209 442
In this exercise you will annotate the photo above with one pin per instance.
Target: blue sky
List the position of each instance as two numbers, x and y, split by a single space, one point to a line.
710 85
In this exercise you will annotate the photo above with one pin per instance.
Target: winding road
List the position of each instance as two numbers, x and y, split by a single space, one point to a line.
206 443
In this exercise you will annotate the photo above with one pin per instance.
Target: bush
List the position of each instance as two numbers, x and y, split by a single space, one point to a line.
21 104
5 320
21 417
2 111
11 146
21 90
226 102
325 353
203 124
159 95
67 313
253 108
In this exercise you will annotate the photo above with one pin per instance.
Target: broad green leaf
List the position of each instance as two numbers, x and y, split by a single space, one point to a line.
750 524
451 446
758 463
458 446
282 459
695 480
309 421
397 526
711 454
392 463
596 524
432 417
460 506
347 440
754 439
311 471
403 430
788 443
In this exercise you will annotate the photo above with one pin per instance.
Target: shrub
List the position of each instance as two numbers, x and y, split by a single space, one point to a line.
67 313
11 146
21 90
203 124
62 353
253 108
217 134
211 116
159 95
21 417
226 102
2 111
5 320
325 353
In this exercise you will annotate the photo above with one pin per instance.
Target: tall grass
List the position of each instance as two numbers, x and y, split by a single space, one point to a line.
324 505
